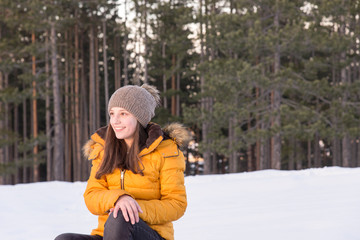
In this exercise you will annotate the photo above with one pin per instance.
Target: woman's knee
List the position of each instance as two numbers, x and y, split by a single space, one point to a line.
118 223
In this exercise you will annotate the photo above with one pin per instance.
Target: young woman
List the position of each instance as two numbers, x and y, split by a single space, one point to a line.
136 185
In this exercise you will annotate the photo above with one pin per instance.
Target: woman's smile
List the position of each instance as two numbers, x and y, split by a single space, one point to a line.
118 128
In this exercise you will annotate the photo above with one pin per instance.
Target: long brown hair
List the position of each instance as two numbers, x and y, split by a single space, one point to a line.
117 154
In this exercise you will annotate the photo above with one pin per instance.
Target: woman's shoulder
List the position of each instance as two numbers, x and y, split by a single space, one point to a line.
178 133
92 149
95 144
176 137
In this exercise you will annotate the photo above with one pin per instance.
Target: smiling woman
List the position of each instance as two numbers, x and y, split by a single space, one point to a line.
136 185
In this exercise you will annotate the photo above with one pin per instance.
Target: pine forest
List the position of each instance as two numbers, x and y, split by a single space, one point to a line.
261 84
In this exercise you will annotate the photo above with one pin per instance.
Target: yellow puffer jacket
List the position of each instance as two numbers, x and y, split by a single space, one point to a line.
160 192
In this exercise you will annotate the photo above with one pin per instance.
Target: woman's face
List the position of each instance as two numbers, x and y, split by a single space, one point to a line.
123 123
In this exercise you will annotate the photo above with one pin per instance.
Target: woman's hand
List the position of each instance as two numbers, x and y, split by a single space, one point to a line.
129 208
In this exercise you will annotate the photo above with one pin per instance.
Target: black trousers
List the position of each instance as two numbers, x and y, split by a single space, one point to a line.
118 229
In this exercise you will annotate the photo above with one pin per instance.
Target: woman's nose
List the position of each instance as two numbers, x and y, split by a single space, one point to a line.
117 118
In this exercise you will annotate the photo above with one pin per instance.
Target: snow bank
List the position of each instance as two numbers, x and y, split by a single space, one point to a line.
308 204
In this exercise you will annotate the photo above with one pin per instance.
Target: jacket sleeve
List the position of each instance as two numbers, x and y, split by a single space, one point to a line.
173 203
98 197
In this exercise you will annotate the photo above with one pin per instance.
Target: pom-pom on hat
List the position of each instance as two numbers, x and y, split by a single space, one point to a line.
139 101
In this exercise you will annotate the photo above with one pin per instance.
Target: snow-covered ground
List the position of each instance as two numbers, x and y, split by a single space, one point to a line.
273 205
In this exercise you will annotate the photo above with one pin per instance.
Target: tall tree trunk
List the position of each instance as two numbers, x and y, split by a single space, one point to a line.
84 109
117 62
231 145
58 126
2 126
212 32
177 97
145 42
67 135
137 50
264 148
164 77
173 86
126 72
34 117
49 158
106 81
358 76
214 163
204 99
125 43
258 141
2 159
16 146
78 158
73 146
92 85
346 147
234 138
7 127
97 82
250 160
276 101
24 122
336 148
234 161
205 132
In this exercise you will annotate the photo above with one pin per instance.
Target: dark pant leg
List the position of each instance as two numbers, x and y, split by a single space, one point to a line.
143 231
118 228
76 236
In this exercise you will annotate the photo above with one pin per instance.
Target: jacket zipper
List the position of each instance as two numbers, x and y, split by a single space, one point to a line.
122 179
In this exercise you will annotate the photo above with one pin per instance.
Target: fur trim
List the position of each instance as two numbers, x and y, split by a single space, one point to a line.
178 133
153 91
87 148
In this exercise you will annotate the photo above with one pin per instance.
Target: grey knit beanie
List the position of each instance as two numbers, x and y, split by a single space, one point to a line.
139 101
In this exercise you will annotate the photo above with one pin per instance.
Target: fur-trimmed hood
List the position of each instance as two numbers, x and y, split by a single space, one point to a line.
175 131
